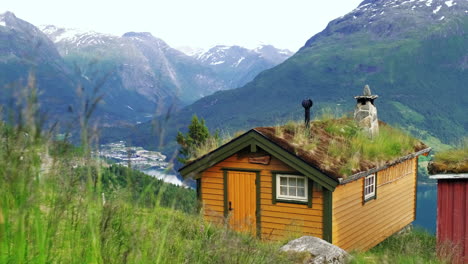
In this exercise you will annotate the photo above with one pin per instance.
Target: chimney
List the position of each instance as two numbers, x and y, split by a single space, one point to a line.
307 104
365 112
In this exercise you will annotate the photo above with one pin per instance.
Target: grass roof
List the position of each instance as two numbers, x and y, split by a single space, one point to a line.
451 161
337 147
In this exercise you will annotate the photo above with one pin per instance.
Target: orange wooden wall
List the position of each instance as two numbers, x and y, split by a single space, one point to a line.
360 226
279 220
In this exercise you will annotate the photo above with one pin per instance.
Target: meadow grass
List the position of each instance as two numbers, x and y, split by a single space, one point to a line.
417 246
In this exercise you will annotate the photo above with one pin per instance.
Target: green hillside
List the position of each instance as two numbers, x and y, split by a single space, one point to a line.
421 83
59 205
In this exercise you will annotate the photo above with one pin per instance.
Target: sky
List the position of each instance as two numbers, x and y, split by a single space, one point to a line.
194 23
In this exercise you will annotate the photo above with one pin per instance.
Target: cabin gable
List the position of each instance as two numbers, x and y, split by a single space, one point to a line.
253 140
275 218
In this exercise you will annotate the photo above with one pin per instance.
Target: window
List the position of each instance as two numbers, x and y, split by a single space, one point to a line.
369 187
291 187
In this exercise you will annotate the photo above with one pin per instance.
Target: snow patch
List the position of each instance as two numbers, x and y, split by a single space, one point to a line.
129 107
217 62
239 61
2 22
383 12
449 3
442 18
354 17
436 10
48 29
429 3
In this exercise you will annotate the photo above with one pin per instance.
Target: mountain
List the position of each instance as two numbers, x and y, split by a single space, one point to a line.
23 49
238 66
144 74
412 53
137 75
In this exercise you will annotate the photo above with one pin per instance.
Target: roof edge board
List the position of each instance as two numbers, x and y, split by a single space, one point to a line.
376 169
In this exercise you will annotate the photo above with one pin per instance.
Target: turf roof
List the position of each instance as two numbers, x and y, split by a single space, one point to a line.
451 161
339 148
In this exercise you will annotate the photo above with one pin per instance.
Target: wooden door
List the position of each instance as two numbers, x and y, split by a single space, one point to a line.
242 201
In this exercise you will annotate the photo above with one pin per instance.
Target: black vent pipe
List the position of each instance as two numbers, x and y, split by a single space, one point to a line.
307 104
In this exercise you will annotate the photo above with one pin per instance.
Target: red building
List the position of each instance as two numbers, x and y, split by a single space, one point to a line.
452 216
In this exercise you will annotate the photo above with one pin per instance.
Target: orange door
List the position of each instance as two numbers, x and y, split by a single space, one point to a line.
242 201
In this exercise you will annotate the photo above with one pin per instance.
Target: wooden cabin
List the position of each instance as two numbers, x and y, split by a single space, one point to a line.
452 210
277 183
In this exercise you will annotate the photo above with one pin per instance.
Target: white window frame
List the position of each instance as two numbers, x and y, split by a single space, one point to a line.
370 184
288 197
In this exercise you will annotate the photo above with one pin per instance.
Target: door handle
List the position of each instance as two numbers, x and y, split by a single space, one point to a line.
230 206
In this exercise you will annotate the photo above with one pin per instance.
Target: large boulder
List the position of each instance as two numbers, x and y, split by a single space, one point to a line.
321 250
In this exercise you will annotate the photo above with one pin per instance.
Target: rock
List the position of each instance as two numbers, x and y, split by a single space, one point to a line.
321 250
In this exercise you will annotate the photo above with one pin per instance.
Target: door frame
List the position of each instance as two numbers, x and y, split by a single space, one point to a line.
257 195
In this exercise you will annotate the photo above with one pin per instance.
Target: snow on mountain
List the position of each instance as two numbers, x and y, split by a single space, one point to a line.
78 37
238 65
191 51
375 8
394 18
219 54
2 21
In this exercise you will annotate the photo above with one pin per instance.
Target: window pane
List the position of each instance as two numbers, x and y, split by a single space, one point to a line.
301 192
283 190
292 191
283 181
292 182
300 182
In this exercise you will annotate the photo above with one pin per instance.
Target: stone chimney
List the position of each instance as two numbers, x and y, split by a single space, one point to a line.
365 112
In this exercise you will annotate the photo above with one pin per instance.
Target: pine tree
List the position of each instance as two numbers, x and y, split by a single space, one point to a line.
196 136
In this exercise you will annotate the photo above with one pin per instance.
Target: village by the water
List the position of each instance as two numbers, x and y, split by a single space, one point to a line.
137 157
150 162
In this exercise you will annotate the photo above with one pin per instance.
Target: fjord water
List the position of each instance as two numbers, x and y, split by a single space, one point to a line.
426 209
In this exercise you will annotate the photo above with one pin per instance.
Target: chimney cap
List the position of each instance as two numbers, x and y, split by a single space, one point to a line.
367 94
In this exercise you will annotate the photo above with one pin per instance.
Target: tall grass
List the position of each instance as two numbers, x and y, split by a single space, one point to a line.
56 207
415 247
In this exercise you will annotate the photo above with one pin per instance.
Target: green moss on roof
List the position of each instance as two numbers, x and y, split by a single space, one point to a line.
340 148
451 161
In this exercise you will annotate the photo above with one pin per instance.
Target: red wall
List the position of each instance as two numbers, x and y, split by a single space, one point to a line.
452 217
